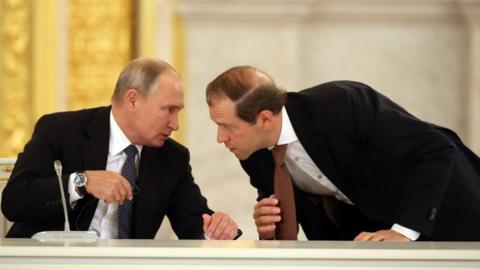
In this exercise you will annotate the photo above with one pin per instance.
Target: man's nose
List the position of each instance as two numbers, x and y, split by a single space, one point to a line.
173 122
221 136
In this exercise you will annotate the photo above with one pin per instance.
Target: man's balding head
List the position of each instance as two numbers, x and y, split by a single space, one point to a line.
250 89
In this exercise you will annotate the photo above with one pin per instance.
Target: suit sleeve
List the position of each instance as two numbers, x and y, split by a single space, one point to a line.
32 192
411 159
187 206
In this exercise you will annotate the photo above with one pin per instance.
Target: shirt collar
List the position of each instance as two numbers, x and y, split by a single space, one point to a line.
118 139
287 133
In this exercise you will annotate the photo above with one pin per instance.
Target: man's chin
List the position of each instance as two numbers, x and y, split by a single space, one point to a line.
242 156
157 143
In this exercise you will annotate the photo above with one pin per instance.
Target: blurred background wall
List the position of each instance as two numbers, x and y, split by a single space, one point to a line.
66 54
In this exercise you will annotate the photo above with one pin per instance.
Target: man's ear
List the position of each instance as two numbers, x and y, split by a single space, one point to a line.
265 119
131 98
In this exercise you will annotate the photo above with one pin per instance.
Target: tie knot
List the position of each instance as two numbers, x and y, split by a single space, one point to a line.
130 151
278 153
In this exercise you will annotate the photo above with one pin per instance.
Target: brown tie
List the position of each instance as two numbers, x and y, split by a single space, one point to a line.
287 228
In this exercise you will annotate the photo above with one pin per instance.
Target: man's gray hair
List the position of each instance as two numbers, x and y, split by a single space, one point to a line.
140 74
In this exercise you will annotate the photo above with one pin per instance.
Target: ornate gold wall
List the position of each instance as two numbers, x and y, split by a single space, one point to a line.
100 45
99 42
15 74
66 55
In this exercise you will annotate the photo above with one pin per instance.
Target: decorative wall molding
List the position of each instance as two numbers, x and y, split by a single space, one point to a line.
312 10
471 10
234 10
423 54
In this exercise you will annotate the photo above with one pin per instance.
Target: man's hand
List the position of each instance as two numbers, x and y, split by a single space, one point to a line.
266 214
108 186
219 226
383 235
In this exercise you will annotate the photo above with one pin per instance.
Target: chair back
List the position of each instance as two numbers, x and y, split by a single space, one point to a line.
6 168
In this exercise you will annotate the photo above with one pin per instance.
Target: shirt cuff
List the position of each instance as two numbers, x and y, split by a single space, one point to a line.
73 195
409 233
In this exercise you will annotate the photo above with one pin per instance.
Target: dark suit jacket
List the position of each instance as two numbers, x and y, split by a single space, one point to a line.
80 140
394 167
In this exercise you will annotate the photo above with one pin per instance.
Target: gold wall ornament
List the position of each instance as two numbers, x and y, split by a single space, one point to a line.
48 57
100 44
178 52
15 75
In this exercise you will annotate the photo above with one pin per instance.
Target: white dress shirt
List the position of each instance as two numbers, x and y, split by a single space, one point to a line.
105 219
308 177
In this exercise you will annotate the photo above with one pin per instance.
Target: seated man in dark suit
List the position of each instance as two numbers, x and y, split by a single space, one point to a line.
362 167
122 174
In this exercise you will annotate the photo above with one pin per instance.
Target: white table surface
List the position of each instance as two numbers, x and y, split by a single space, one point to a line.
195 254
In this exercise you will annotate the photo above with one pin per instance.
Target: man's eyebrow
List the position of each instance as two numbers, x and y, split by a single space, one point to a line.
177 106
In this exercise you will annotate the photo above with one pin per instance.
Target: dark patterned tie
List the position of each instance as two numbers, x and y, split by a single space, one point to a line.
129 171
286 229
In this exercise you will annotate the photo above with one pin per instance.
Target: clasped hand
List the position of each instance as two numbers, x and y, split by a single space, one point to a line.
114 188
267 213
219 226
108 186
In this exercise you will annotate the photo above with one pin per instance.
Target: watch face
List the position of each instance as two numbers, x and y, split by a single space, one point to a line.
79 180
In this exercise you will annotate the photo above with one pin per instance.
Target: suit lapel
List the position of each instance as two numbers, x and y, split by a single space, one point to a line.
312 140
95 154
150 180
95 151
